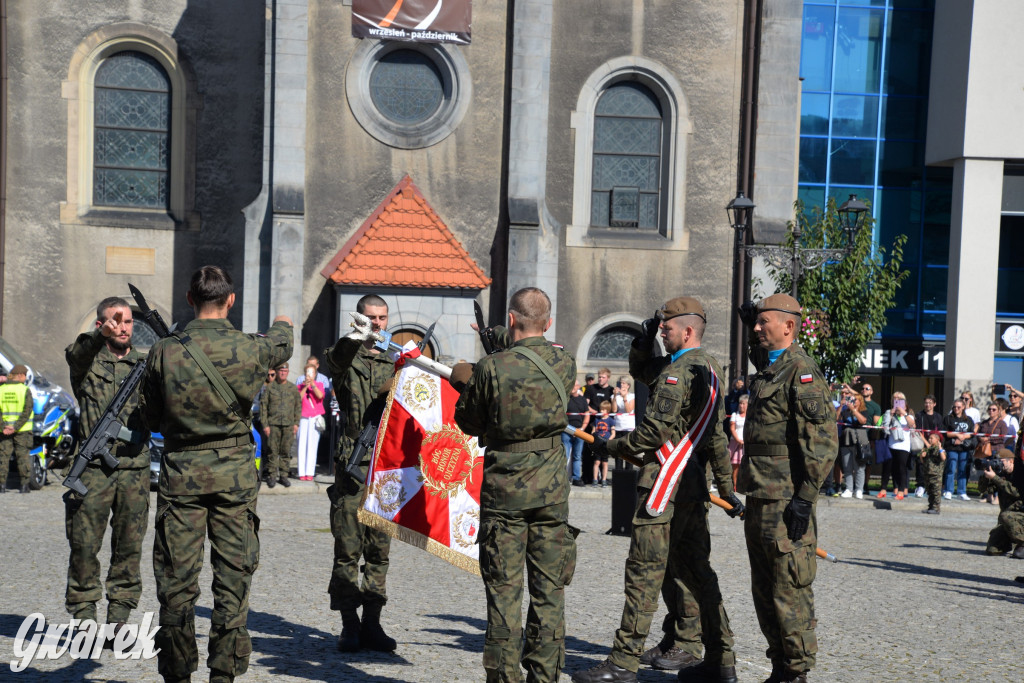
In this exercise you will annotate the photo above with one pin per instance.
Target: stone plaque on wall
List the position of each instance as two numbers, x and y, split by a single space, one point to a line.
131 261
421 21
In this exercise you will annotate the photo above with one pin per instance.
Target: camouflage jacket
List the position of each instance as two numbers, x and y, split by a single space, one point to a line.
280 405
515 412
207 445
679 392
789 438
358 374
96 374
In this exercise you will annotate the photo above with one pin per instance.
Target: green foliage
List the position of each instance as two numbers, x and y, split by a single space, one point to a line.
853 293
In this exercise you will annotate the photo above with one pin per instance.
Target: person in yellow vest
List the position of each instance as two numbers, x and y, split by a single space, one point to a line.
16 403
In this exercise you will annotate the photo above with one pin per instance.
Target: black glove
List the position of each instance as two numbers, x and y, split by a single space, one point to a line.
738 508
798 518
649 330
748 313
599 449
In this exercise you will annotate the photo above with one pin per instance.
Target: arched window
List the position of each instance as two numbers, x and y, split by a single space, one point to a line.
131 139
612 344
627 158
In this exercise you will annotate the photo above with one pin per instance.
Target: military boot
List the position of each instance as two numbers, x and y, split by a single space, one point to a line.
657 651
221 676
674 659
371 633
348 641
708 673
25 488
605 672
283 480
1018 552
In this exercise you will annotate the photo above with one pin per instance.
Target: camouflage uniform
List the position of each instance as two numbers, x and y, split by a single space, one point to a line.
933 465
281 410
790 443
512 407
19 443
120 495
679 538
358 375
207 482
1010 529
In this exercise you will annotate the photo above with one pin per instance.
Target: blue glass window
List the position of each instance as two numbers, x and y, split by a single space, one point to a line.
816 49
859 50
406 87
626 180
813 160
908 62
855 116
131 139
853 161
814 114
612 344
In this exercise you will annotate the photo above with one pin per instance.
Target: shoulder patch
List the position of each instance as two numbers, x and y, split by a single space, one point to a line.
806 379
557 346
671 380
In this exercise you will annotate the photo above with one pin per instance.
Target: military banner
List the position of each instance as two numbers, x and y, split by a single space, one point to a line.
423 484
423 21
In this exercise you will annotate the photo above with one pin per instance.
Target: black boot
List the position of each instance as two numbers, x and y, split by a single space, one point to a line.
348 641
25 488
371 634
283 480
708 673
605 672
675 659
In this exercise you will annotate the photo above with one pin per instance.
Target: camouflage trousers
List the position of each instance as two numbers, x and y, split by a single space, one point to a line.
278 450
1008 533
540 538
673 548
681 626
18 444
781 574
352 541
122 497
933 483
182 524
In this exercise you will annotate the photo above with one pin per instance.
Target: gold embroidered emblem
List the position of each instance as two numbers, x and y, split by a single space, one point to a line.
390 492
465 528
447 459
419 392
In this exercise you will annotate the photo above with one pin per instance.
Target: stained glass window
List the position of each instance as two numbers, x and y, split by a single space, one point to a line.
406 87
612 344
627 158
132 118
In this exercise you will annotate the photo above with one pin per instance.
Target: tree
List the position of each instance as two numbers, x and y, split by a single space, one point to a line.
844 301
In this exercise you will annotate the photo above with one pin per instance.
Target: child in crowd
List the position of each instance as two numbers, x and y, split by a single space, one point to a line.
604 428
933 458
736 435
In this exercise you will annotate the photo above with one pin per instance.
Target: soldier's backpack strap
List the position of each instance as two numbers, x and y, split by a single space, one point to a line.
548 372
212 374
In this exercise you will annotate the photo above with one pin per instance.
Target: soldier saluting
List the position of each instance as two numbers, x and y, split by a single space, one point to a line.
790 443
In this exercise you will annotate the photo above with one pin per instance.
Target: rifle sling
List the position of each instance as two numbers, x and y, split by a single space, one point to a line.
548 372
212 374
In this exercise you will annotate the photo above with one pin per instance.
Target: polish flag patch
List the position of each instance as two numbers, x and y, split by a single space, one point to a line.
806 379
671 380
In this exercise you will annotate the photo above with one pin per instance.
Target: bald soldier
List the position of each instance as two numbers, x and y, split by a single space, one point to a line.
790 443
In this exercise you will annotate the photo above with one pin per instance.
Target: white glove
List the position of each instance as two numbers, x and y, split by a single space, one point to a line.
361 330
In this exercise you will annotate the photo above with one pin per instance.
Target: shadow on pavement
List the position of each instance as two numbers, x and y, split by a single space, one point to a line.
918 570
291 649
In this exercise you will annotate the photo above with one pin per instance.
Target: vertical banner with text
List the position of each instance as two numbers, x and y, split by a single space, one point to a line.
421 21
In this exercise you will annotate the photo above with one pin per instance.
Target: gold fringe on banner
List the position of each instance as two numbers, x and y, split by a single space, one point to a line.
417 539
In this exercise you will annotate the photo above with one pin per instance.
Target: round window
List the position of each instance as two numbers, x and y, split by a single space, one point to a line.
406 87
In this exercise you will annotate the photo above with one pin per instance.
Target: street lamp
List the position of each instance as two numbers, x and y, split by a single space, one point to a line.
797 258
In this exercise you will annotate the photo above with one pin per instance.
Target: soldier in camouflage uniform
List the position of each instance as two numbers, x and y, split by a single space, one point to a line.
208 478
678 538
16 439
790 443
99 361
359 372
515 404
681 643
280 412
1009 532
933 459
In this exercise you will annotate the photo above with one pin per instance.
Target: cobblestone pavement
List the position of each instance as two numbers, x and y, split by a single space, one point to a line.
913 597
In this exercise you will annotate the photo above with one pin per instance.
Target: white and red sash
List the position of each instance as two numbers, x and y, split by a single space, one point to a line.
673 458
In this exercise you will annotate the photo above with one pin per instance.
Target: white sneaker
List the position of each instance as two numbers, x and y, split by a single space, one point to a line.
919 493
859 495
947 495
964 496
847 493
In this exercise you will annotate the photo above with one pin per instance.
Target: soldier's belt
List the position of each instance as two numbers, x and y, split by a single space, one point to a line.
765 449
541 444
176 446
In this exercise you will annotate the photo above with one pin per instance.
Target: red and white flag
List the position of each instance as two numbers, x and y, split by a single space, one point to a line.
423 484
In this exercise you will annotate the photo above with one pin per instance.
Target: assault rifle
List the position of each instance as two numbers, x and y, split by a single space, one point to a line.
108 428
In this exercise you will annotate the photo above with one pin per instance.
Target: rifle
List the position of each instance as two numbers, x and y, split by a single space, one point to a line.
109 428
364 444
720 502
487 338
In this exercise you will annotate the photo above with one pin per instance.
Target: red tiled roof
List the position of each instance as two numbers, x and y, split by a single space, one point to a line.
404 243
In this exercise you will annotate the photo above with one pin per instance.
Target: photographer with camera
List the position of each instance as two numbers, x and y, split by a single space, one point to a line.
1009 482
